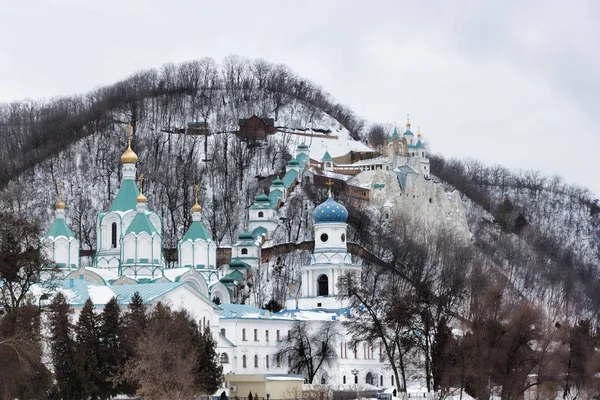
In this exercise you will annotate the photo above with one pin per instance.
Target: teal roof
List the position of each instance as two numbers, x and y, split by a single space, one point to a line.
141 223
395 136
301 158
289 178
327 157
274 196
60 228
245 235
126 197
197 231
411 146
234 277
259 231
277 182
262 198
407 132
379 185
293 163
239 264
302 146
420 145
242 311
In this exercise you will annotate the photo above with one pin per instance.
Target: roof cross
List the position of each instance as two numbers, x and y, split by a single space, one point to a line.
129 133
141 181
60 188
196 188
330 184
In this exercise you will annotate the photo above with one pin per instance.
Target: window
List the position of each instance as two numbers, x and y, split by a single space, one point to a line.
355 352
267 361
267 335
380 380
278 360
243 334
369 378
261 214
289 335
256 361
323 285
203 321
324 237
278 337
224 359
113 235
223 332
430 201
323 380
356 379
244 251
392 380
256 335
244 361
344 379
343 237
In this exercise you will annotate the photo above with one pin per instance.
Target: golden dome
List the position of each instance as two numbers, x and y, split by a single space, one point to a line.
141 198
196 207
129 156
60 205
419 132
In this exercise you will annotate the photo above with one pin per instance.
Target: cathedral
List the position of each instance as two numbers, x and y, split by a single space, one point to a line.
130 259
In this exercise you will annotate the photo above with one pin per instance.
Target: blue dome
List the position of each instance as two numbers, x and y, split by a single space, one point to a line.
330 211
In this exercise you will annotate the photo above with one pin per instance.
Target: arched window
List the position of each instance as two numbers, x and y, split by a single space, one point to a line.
224 359
380 380
344 379
244 334
323 380
323 285
256 361
356 379
113 235
267 361
369 378
261 214
244 361
244 251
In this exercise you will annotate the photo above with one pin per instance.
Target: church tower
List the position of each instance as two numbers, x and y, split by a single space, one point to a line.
59 244
330 259
197 248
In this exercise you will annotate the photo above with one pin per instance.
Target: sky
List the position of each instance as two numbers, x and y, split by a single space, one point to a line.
514 83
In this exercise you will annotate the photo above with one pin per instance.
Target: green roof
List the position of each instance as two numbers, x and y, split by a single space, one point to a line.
140 224
234 277
262 198
327 157
395 136
197 231
60 228
301 158
259 231
290 177
379 185
420 145
302 146
277 182
237 263
274 196
407 132
293 163
126 197
245 235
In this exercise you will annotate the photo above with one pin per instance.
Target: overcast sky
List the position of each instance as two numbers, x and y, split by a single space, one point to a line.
514 83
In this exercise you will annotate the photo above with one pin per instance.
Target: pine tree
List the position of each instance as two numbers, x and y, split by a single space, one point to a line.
62 348
111 356
88 349
209 372
134 326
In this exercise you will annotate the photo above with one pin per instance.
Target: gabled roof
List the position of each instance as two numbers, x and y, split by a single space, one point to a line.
242 311
301 158
60 228
141 223
289 178
239 264
234 277
126 196
327 157
274 196
197 231
420 145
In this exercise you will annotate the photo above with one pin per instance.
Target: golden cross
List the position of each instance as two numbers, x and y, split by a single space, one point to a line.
60 188
141 181
330 184
196 187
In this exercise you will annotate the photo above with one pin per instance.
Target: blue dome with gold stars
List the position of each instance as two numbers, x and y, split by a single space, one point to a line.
330 211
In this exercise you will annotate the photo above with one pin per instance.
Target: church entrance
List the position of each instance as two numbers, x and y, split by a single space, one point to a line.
323 285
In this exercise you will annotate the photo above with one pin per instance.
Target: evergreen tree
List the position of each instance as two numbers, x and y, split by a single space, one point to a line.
111 355
62 349
209 371
134 326
88 350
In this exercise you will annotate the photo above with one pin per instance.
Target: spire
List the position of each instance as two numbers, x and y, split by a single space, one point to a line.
419 132
141 198
129 156
196 207
407 122
60 204
330 184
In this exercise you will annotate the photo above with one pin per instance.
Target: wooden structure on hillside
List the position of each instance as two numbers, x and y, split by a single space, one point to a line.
255 129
